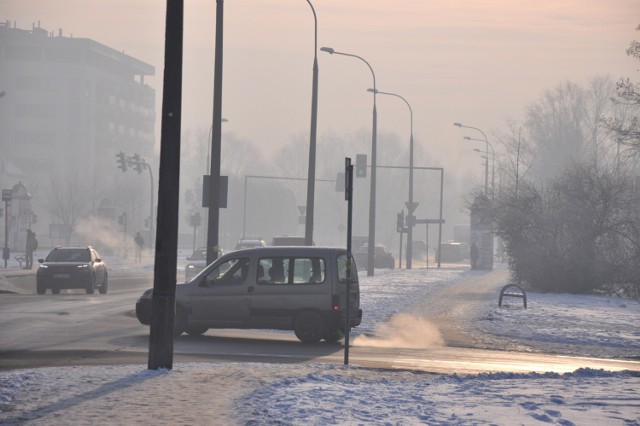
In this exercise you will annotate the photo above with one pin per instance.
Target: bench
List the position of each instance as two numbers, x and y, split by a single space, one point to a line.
513 290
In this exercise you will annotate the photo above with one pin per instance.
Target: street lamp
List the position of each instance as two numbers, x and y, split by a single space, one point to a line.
493 161
374 132
486 169
311 179
410 206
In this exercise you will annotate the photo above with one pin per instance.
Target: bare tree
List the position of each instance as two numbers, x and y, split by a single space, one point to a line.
67 199
625 123
580 234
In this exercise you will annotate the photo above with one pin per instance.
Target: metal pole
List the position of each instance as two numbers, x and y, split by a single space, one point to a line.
5 253
216 142
374 132
400 256
486 168
410 207
244 209
440 224
372 196
349 196
308 229
151 235
164 278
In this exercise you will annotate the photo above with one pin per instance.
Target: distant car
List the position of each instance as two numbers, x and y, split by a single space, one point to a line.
246 243
381 257
72 267
196 263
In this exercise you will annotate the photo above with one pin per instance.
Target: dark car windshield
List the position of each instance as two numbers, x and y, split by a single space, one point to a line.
199 255
69 255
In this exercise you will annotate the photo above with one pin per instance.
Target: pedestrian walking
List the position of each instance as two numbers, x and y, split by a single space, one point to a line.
31 247
139 244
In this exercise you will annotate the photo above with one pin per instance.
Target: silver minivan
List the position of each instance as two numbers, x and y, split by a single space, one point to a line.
287 288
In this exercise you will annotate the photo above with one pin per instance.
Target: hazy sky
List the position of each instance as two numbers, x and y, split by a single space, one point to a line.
475 61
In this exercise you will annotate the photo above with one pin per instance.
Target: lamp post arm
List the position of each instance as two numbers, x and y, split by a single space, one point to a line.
367 63
315 20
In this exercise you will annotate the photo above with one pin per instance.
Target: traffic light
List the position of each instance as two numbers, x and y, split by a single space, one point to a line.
361 165
400 222
122 161
136 162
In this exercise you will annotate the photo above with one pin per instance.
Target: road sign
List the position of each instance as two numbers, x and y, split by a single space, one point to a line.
6 195
428 221
411 207
302 210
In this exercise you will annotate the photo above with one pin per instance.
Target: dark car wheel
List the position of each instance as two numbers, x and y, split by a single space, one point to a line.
196 330
91 287
105 285
308 327
40 288
55 290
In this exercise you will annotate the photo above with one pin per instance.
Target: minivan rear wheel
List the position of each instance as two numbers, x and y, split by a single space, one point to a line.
309 327
333 335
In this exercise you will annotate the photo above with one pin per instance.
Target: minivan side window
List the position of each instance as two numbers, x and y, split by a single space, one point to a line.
297 270
231 272
342 270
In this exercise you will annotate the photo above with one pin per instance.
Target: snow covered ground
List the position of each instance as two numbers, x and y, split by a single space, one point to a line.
295 394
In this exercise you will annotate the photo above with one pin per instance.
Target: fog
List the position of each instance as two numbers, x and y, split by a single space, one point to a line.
478 62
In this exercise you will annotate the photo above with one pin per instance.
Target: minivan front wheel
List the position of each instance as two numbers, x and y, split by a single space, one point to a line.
309 327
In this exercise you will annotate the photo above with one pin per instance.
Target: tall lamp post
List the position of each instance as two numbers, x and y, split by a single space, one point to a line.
311 179
493 161
410 206
486 168
374 132
213 219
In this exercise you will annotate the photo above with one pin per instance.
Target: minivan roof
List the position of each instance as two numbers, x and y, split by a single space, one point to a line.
289 250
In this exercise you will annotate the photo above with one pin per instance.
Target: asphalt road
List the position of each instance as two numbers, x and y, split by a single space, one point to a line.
74 328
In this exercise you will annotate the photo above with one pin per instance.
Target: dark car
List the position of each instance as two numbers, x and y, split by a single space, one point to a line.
381 257
196 263
246 243
72 267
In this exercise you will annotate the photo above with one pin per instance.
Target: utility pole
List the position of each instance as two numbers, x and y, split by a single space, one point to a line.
216 143
166 254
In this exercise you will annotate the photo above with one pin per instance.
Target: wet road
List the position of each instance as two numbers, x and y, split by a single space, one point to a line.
74 328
